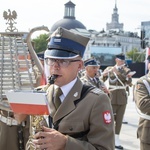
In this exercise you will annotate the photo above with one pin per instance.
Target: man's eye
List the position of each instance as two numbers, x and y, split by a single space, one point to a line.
61 61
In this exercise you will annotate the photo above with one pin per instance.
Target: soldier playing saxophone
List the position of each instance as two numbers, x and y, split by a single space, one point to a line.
81 116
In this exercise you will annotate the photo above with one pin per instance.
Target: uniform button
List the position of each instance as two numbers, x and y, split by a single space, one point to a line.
70 128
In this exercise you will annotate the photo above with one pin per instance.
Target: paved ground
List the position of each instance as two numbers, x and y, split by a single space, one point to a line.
128 132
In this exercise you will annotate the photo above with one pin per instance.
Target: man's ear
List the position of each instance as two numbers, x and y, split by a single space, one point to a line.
80 67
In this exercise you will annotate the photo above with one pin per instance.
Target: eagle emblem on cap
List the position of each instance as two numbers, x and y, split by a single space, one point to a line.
58 32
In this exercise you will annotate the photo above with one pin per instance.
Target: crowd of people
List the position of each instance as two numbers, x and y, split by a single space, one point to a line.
85 113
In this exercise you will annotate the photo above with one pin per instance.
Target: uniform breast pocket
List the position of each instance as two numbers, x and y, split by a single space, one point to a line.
145 131
71 127
145 134
124 94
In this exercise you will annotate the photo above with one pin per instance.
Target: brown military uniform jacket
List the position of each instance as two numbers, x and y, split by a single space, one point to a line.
89 123
87 80
142 100
117 80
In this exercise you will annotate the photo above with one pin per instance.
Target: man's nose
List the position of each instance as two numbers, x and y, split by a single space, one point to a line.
56 64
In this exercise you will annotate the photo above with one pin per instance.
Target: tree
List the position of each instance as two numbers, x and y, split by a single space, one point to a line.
135 55
40 43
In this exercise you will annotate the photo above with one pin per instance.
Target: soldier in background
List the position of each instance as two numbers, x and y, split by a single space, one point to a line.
119 78
92 76
142 100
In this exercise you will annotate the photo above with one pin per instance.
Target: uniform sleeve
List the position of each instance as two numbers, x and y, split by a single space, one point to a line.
142 97
101 134
129 81
105 76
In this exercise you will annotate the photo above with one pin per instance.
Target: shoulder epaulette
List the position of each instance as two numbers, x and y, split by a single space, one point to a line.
140 80
96 91
83 79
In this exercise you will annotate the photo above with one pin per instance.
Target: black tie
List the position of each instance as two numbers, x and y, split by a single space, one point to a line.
94 80
57 100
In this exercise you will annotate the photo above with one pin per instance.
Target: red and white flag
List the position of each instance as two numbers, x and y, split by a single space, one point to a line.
27 102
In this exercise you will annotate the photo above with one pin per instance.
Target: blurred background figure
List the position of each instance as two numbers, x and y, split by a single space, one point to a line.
92 75
119 79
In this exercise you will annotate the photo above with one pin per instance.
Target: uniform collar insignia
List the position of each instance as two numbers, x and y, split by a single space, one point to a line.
75 94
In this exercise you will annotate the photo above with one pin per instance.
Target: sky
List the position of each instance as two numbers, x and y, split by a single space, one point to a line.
94 14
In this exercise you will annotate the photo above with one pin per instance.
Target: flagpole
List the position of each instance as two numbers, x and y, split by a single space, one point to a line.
146 61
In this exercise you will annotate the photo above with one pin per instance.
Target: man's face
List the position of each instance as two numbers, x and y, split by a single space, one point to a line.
119 62
91 71
65 73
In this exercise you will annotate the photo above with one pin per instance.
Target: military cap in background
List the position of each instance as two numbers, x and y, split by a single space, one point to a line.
41 56
91 62
120 56
65 44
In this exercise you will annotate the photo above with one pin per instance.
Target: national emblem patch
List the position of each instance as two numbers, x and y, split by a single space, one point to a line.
107 117
138 86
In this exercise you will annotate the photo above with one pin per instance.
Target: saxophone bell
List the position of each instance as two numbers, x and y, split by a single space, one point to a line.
52 78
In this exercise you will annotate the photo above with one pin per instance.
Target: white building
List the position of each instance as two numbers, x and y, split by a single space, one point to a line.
113 37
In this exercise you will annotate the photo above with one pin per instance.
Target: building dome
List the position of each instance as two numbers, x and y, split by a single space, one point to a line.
68 24
69 21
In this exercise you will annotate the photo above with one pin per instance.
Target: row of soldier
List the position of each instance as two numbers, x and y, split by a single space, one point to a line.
141 95
86 120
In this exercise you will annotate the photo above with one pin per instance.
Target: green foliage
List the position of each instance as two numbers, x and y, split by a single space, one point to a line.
40 43
135 55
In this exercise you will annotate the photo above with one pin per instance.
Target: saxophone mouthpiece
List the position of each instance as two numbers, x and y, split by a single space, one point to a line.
52 78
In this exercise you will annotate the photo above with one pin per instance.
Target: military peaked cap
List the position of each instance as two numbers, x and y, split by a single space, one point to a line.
65 44
91 62
120 56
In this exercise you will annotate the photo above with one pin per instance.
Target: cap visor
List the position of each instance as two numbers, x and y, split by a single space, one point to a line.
93 65
59 54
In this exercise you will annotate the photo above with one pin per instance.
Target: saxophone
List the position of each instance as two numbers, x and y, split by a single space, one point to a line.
37 121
